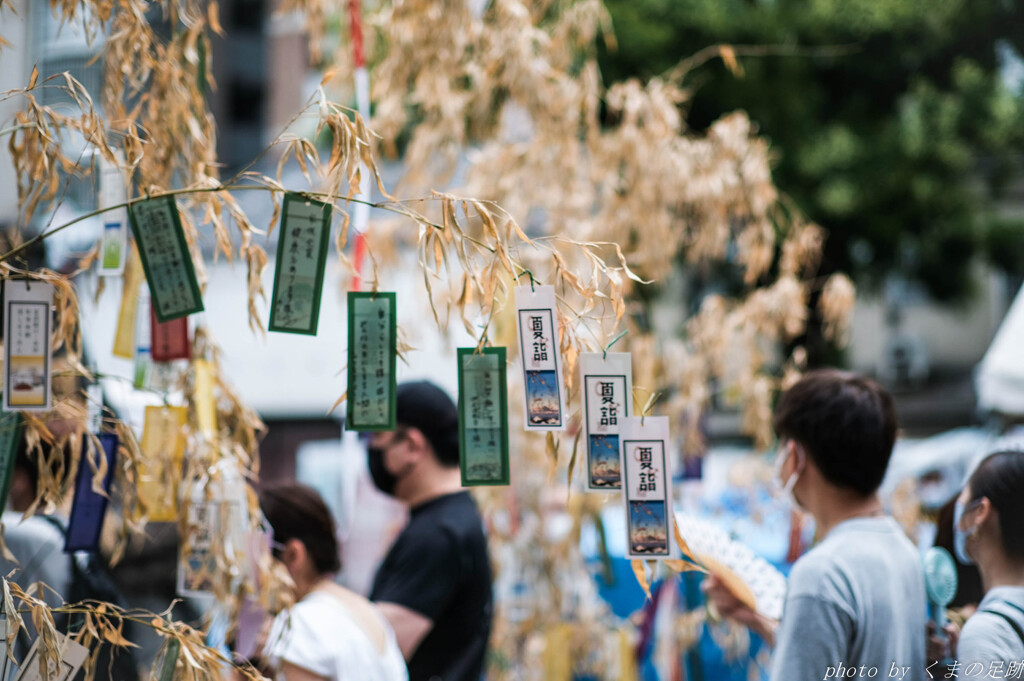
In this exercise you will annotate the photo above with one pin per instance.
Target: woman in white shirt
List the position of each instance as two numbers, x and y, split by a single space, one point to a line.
988 530
331 634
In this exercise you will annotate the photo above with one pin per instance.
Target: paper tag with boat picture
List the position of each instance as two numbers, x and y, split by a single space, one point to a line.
607 382
648 487
544 388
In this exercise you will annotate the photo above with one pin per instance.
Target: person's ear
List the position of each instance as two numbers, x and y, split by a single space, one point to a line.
419 446
294 555
984 511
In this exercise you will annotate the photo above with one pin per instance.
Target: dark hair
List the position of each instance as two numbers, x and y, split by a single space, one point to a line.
845 422
427 408
296 511
1000 478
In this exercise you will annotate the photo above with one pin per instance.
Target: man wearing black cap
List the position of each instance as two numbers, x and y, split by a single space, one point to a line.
434 585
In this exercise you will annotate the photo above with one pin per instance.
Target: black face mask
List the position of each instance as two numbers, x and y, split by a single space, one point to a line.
383 479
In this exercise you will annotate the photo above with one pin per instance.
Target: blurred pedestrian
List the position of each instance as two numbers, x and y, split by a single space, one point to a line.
989 533
435 582
856 601
331 633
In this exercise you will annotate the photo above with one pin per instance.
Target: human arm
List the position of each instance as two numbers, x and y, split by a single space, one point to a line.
416 583
723 602
939 647
292 672
410 626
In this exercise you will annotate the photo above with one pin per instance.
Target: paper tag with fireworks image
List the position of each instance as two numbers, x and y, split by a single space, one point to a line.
539 348
607 382
647 487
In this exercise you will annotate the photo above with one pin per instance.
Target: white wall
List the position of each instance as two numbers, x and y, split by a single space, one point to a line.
955 338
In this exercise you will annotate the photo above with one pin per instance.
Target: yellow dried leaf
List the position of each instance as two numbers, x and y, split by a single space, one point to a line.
337 402
213 14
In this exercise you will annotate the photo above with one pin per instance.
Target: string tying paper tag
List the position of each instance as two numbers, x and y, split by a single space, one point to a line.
541 357
607 381
483 417
27 363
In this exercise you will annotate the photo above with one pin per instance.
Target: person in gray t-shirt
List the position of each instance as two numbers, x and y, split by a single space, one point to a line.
855 605
988 530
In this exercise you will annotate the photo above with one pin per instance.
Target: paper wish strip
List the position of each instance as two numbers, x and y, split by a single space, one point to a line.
483 417
27 362
372 353
607 383
217 528
198 563
168 341
647 490
301 258
124 337
72 656
159 471
115 220
89 506
166 259
143 365
204 400
539 347
10 437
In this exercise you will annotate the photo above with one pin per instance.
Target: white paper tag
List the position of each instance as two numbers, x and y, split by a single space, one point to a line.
647 487
72 657
27 362
221 517
143 341
540 350
607 383
114 243
94 398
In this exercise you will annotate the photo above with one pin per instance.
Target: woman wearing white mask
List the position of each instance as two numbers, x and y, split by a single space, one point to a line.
988 530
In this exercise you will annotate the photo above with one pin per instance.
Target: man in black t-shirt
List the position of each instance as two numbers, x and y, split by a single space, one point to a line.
434 585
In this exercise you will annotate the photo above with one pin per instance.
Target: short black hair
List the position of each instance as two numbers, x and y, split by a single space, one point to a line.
1000 478
847 424
427 408
296 511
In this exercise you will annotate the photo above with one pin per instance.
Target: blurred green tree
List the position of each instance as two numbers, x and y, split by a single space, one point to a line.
897 124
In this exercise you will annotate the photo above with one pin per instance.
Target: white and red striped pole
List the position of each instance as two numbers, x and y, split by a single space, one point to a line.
361 212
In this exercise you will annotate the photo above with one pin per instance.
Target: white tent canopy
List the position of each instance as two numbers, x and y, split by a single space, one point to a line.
999 377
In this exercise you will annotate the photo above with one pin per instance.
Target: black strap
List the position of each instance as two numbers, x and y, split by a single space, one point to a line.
1009 620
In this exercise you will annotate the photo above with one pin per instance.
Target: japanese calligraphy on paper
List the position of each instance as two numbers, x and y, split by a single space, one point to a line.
607 397
483 416
372 353
165 258
301 259
27 365
647 489
541 355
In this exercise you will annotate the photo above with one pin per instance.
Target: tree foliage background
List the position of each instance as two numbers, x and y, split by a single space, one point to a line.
891 122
